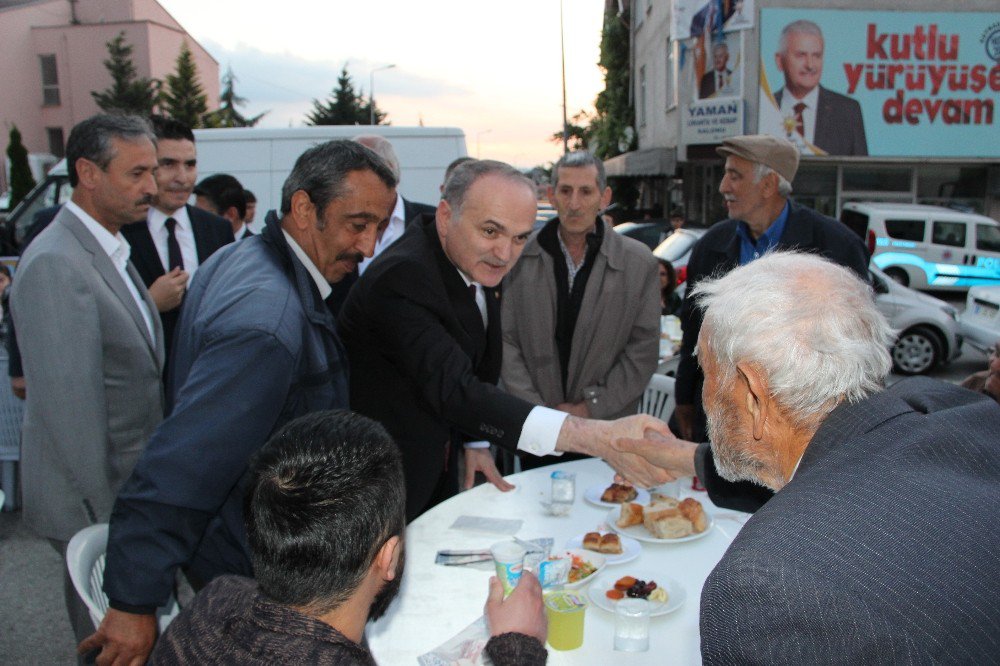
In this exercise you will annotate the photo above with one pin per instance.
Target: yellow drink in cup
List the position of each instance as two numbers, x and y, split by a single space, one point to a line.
565 612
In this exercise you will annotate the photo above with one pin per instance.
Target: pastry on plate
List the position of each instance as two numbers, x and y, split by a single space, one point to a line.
631 514
611 544
691 509
618 493
664 520
592 541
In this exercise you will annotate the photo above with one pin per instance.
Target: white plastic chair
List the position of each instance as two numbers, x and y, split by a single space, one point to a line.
658 399
85 559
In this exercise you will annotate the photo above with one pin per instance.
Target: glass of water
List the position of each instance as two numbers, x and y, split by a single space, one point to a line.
632 625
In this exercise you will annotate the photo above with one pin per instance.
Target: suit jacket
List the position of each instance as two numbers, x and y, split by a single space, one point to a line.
718 252
840 127
882 549
421 362
707 87
94 374
616 342
210 233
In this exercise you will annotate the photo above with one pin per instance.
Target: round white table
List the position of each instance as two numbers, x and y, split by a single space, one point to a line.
436 602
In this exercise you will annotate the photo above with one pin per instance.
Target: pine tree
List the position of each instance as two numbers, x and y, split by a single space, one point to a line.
184 99
21 180
128 92
345 106
227 115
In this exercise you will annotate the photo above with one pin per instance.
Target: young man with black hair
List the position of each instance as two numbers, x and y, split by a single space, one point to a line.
223 195
325 514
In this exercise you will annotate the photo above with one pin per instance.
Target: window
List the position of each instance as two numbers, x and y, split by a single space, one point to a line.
671 79
988 237
50 81
642 96
910 230
877 179
56 143
949 233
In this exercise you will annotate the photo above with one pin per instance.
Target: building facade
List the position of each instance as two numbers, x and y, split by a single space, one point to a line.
900 103
54 53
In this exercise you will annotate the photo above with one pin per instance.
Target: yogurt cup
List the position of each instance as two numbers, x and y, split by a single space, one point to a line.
508 557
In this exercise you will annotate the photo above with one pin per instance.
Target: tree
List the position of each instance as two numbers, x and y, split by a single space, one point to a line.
227 115
184 99
21 180
128 92
345 106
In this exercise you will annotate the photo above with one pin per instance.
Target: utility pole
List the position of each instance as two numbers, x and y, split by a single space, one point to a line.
562 52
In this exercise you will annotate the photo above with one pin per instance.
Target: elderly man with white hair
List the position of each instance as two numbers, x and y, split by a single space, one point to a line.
880 542
757 185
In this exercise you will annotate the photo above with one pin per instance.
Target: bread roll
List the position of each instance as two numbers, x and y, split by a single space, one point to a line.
611 544
691 509
664 520
592 541
631 514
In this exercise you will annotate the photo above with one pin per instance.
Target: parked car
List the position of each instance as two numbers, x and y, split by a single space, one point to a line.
928 247
543 214
676 248
649 232
980 323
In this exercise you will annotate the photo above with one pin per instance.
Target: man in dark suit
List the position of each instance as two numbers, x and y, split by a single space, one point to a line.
422 331
719 78
880 542
175 238
756 187
223 195
823 119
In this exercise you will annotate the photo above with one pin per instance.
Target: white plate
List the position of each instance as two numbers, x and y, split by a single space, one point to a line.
630 549
676 594
593 495
596 559
642 534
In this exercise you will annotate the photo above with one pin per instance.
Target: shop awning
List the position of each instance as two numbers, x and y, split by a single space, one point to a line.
649 162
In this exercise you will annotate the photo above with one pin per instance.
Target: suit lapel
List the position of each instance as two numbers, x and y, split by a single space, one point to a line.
489 369
201 243
144 254
158 346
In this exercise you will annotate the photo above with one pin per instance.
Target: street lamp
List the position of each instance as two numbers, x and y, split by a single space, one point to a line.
371 92
479 134
562 53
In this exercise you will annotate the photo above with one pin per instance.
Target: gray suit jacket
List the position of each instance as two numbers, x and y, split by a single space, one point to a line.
616 342
95 394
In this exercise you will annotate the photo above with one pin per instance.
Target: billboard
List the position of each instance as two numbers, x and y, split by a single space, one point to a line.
886 84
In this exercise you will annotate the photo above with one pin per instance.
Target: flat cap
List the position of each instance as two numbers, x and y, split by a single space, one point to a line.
778 154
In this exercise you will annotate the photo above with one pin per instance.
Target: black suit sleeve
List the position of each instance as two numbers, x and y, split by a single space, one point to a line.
739 496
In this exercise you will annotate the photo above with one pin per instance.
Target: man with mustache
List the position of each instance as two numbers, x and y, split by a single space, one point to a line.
256 346
757 184
91 341
422 328
325 521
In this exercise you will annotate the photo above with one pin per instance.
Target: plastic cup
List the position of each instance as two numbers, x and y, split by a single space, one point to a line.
566 612
508 557
632 625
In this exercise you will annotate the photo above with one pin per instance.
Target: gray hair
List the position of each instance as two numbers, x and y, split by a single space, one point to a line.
577 159
760 171
802 27
467 173
321 170
810 325
91 139
381 147
720 46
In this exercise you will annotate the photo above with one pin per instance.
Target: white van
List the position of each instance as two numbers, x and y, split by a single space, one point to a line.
262 158
928 247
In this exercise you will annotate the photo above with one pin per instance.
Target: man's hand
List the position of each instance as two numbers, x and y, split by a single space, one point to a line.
575 409
635 468
168 290
18 386
481 460
520 613
685 420
126 639
673 455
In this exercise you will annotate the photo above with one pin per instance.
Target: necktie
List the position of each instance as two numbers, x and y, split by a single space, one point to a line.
482 313
173 247
800 125
719 83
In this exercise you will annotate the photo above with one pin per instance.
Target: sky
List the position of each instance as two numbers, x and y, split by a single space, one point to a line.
491 69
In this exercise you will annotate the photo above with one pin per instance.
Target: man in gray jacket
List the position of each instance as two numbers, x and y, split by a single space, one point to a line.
90 338
581 309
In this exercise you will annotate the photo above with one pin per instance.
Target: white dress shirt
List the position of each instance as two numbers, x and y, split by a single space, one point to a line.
157 221
811 100
239 232
324 287
395 229
541 429
118 250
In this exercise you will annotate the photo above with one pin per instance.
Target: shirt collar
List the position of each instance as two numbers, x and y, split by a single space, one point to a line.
771 235
158 219
239 232
114 245
399 211
324 287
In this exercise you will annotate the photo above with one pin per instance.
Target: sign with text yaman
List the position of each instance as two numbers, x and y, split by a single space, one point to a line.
887 84
711 121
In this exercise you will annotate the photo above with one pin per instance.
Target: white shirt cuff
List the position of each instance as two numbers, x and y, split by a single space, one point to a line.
481 444
540 431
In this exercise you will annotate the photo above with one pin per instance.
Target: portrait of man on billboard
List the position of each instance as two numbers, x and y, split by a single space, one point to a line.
717 80
812 115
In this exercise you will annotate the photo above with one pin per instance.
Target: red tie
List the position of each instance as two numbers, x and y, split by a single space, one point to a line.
800 125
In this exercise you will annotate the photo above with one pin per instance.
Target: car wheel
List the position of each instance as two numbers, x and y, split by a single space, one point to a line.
899 275
916 351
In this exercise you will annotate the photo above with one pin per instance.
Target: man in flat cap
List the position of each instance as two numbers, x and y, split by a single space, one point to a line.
756 186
